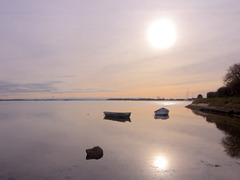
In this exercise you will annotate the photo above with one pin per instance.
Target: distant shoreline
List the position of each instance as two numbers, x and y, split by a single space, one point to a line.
148 99
99 99
60 99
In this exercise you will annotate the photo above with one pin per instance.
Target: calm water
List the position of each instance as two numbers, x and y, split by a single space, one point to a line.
48 140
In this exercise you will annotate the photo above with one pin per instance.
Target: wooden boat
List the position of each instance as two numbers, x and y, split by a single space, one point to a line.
161 112
117 114
117 119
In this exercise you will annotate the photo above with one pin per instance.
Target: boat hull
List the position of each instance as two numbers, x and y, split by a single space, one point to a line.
117 114
161 114
163 117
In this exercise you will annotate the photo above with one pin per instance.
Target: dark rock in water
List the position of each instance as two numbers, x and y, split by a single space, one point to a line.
94 153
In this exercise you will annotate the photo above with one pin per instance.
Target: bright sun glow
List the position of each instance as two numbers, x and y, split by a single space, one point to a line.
160 163
166 103
162 34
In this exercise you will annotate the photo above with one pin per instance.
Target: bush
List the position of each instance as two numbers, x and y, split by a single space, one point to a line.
211 94
199 96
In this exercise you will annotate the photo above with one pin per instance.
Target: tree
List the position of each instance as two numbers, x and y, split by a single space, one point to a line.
232 79
224 92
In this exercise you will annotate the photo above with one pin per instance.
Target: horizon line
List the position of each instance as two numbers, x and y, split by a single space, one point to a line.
96 99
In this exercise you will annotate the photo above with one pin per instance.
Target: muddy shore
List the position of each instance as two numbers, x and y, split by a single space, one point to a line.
211 109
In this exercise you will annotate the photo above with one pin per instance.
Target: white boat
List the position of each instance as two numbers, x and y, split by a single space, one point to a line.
117 114
165 117
161 112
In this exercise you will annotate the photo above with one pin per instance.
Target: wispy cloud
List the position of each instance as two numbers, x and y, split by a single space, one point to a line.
10 87
92 90
216 64
46 87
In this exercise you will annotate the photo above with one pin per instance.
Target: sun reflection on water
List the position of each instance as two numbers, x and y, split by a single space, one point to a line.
160 162
167 103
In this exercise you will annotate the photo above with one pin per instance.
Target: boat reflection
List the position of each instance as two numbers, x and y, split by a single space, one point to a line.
160 162
118 119
231 128
161 117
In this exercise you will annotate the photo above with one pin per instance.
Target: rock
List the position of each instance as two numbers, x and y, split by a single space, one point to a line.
94 153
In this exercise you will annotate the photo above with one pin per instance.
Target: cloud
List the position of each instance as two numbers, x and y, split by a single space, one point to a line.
91 90
9 88
21 88
216 64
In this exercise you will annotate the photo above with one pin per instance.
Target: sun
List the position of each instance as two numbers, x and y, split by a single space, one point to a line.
162 34
160 162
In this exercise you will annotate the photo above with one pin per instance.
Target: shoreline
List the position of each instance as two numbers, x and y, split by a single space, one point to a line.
97 99
204 107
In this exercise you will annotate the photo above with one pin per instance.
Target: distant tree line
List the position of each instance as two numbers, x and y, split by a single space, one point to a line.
232 84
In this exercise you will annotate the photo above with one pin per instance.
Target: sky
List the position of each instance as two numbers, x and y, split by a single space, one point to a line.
99 49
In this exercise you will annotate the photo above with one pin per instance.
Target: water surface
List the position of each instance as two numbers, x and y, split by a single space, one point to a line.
48 140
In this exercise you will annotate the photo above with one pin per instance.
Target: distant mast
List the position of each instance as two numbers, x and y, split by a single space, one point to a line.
187 94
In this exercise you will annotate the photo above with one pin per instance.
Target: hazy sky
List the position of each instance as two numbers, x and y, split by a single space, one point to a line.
76 48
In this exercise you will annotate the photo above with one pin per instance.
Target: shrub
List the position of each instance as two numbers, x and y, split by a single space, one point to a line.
199 96
211 94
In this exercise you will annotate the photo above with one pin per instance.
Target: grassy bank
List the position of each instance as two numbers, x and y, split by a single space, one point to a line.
226 102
